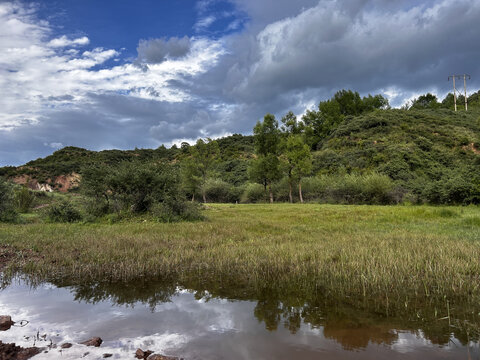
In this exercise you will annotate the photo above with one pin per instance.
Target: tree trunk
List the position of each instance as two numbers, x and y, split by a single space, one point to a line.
271 193
193 197
204 197
265 190
290 191
300 190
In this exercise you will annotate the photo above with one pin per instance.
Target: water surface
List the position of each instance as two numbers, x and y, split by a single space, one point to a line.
174 321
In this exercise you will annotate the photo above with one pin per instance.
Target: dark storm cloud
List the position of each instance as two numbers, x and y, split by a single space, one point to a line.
155 51
326 48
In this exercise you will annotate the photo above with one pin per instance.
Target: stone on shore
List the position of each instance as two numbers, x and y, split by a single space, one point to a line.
140 354
162 357
95 341
5 322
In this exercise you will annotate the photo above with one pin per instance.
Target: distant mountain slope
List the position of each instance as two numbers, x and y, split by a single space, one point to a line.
62 170
413 147
420 149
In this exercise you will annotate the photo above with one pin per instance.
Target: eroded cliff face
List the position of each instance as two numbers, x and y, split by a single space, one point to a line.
62 183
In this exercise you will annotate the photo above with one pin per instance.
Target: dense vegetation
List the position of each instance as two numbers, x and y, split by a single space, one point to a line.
350 150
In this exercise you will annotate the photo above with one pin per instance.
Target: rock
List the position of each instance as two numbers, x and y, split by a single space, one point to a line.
5 322
161 357
107 355
95 341
66 345
140 354
13 352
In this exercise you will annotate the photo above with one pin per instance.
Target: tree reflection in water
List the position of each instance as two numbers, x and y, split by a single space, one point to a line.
351 327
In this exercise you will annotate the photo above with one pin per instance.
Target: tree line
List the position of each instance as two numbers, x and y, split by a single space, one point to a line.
281 150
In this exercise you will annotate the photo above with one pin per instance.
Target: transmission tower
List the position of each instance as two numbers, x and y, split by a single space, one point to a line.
454 89
465 78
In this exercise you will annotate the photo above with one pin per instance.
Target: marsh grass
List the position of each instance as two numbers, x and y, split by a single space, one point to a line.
391 259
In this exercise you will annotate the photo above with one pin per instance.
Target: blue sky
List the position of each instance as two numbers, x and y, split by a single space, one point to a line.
120 24
124 74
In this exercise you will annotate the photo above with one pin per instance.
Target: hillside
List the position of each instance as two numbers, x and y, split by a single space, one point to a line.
62 170
420 150
431 155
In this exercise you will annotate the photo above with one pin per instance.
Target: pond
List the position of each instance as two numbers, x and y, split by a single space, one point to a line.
191 324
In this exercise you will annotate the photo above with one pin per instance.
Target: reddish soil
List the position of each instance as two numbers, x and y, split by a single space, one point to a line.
61 183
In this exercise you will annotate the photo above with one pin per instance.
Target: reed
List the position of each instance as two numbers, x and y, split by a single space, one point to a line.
391 256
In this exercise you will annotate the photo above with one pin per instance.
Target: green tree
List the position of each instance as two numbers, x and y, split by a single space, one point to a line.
7 201
320 124
297 155
266 167
191 176
203 157
427 101
291 125
299 159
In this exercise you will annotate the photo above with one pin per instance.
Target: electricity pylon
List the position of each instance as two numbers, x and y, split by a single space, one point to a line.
454 89
465 77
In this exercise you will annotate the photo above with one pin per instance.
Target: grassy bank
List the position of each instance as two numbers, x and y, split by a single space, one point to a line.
394 257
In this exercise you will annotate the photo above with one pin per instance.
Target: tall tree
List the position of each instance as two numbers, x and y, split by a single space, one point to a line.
266 167
296 153
319 124
299 159
203 156
191 177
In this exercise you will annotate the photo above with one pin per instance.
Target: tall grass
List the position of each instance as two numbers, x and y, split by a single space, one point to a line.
392 258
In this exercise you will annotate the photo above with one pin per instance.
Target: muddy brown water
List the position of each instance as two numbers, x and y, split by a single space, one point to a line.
172 320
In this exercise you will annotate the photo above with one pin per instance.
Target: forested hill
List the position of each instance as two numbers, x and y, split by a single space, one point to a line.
427 150
235 150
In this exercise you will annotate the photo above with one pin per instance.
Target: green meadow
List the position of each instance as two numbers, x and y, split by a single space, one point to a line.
391 258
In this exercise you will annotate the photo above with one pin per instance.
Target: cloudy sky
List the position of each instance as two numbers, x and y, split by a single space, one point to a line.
124 74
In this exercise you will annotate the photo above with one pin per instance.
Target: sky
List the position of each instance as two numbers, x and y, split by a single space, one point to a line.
123 74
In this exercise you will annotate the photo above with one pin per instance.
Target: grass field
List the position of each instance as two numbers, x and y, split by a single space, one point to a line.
392 256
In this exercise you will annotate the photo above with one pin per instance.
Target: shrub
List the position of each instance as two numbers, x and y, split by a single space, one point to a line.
315 187
7 202
370 188
135 187
63 211
24 199
173 210
217 190
362 189
253 193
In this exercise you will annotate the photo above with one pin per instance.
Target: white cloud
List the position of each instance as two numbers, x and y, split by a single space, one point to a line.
36 73
204 23
63 41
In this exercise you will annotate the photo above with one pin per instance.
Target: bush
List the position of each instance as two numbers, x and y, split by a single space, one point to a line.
253 193
96 207
451 190
7 202
315 187
370 188
217 190
135 187
174 210
63 211
362 189
24 199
